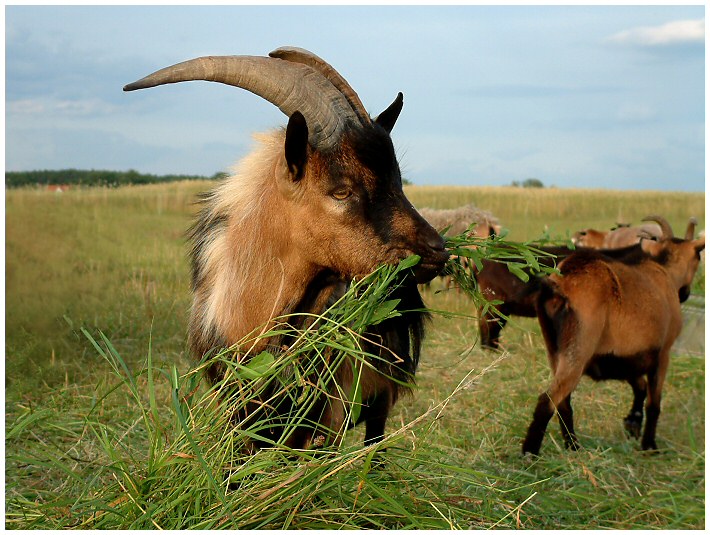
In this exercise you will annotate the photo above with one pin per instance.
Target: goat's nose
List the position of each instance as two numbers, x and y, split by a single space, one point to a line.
435 241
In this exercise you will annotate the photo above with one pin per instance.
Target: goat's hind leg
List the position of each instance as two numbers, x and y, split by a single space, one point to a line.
565 415
566 378
632 422
656 377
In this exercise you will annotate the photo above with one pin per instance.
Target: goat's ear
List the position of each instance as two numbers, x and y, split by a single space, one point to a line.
651 246
296 148
387 118
699 244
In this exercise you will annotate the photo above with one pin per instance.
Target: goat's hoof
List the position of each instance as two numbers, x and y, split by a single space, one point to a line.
529 458
649 446
632 424
572 445
378 462
530 451
632 428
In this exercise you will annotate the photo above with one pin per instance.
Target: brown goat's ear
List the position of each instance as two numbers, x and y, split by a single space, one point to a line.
651 247
296 147
699 244
387 118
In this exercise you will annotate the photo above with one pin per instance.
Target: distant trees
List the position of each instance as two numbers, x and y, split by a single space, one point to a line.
92 177
528 183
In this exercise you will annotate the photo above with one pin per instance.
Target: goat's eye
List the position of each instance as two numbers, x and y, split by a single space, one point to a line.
341 194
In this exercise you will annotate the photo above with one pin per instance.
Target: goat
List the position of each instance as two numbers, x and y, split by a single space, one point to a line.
497 283
617 237
459 220
517 297
312 207
614 318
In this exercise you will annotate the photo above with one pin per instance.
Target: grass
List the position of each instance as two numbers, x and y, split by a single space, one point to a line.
118 437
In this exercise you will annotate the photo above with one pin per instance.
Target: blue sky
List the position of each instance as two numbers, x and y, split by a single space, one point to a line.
600 96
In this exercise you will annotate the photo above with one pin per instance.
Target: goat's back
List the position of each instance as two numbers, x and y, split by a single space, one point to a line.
610 306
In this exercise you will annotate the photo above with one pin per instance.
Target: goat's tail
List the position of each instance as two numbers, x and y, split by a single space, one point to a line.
552 311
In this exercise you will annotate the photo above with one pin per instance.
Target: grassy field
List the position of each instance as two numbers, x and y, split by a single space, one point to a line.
79 450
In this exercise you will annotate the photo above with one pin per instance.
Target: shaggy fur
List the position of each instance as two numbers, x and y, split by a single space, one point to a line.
459 219
265 246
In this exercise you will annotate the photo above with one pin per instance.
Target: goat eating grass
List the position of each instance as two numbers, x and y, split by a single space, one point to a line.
614 318
314 206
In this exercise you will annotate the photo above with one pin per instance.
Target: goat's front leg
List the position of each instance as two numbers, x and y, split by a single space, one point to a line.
632 422
375 415
490 327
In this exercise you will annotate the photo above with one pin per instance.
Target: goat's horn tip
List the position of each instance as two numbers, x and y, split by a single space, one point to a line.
283 50
131 87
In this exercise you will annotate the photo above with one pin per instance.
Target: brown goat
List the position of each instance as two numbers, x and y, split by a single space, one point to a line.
517 297
617 237
316 204
613 318
497 283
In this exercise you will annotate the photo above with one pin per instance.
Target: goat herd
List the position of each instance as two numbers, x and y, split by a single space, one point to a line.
321 202
613 312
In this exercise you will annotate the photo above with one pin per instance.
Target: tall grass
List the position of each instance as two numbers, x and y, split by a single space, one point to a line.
121 434
200 472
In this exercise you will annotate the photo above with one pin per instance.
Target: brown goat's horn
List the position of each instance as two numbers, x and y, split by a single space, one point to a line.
300 55
290 86
666 230
690 230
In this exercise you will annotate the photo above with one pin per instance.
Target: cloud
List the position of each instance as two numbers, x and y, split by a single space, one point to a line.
526 91
635 113
63 70
679 32
43 106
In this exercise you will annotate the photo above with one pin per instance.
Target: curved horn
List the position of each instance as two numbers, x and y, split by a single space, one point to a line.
290 86
666 230
690 229
306 57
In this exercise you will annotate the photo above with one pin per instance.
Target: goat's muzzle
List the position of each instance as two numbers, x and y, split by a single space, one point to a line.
433 259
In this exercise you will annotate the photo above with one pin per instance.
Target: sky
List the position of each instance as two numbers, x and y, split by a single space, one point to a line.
575 96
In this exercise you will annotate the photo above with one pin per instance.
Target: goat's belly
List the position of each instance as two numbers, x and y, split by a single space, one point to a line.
610 366
630 335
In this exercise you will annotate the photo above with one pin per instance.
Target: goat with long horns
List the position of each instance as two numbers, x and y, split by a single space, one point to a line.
314 205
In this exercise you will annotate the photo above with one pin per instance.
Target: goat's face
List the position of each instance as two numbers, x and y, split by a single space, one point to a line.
485 229
349 211
680 258
589 238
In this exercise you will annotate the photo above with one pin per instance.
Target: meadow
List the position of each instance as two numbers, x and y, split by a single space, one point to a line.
96 436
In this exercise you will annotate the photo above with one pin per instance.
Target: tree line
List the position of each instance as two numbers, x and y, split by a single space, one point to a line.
14 179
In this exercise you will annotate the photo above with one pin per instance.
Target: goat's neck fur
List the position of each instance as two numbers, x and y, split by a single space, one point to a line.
245 270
